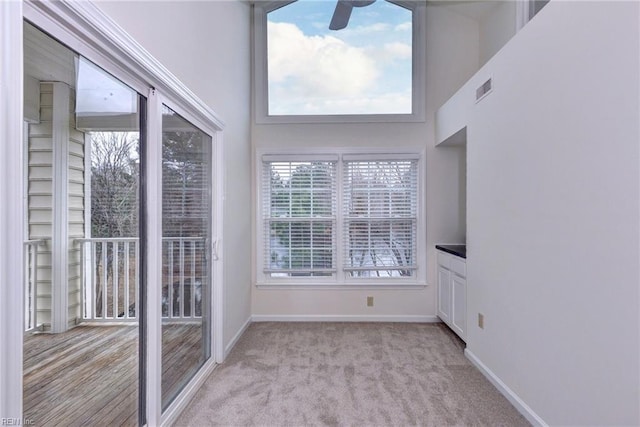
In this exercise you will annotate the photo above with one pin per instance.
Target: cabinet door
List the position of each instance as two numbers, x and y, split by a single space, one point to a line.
444 294
459 315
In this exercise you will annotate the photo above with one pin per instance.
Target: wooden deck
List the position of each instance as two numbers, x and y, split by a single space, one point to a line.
89 374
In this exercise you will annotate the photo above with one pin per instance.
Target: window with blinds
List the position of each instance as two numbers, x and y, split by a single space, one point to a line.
348 217
380 217
299 212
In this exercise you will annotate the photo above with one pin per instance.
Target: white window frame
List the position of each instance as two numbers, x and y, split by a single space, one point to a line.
261 85
525 11
342 280
331 158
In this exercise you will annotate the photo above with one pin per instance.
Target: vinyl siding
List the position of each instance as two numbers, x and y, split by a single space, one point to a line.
75 218
40 196
41 202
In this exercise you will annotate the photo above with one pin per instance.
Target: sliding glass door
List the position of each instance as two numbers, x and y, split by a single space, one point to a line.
114 309
82 260
186 252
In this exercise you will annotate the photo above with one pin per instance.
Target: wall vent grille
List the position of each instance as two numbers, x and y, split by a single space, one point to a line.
483 90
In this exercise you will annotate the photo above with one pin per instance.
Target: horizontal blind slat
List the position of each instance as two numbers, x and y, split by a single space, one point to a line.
299 209
380 211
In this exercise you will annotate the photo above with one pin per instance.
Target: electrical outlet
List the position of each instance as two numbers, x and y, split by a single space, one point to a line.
481 320
369 301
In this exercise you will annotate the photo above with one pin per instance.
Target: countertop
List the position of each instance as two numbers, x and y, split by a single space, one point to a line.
457 250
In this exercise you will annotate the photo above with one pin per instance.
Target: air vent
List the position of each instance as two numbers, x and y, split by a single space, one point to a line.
483 90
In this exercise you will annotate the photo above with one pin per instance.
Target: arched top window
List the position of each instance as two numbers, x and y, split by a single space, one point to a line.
339 61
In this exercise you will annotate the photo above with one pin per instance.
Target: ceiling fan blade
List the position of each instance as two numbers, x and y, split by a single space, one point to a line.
341 15
343 10
451 2
362 3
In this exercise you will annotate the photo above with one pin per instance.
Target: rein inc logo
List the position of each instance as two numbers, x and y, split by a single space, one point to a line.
16 422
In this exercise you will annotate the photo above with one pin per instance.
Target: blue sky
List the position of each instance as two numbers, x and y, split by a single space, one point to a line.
363 69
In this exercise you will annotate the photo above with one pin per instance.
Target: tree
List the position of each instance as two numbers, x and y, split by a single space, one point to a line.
186 213
380 229
114 184
114 199
185 184
302 218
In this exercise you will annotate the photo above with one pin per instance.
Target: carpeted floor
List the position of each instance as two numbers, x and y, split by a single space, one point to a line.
348 374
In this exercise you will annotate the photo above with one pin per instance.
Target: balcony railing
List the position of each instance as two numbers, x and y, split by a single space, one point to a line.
110 277
184 267
31 284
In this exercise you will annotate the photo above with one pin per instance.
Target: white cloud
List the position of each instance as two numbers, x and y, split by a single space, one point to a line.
388 103
390 52
398 50
378 27
405 26
318 65
326 75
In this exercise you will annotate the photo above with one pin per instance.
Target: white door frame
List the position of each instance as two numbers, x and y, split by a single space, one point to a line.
86 29
154 157
11 215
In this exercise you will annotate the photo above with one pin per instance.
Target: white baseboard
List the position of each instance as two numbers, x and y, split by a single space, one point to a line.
236 337
342 318
515 400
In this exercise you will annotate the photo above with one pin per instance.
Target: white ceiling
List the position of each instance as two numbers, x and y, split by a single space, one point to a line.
46 59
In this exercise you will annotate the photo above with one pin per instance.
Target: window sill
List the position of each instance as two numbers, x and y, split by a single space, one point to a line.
341 287
266 119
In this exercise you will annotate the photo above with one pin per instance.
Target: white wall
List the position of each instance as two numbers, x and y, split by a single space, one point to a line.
451 41
553 215
206 44
496 28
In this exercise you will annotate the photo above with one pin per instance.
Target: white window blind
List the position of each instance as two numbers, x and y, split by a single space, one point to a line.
299 213
380 200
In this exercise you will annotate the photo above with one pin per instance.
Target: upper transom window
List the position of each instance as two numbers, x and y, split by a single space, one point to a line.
365 68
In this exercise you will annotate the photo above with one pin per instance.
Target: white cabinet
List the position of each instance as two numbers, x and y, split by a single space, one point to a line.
444 294
459 305
452 292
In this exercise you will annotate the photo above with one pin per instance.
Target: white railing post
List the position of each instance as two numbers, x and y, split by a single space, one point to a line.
170 282
181 301
27 287
125 298
104 281
115 282
136 312
192 310
31 284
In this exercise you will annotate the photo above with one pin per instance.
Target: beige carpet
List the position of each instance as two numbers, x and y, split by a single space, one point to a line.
348 374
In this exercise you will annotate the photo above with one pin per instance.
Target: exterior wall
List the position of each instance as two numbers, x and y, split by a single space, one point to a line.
76 216
40 196
553 207
40 203
451 42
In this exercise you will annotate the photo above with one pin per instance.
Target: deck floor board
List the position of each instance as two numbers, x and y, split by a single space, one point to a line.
89 374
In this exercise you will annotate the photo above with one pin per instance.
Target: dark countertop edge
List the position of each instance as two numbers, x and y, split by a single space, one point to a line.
457 250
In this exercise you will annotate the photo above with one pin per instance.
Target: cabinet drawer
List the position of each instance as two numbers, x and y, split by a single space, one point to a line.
444 259
459 266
